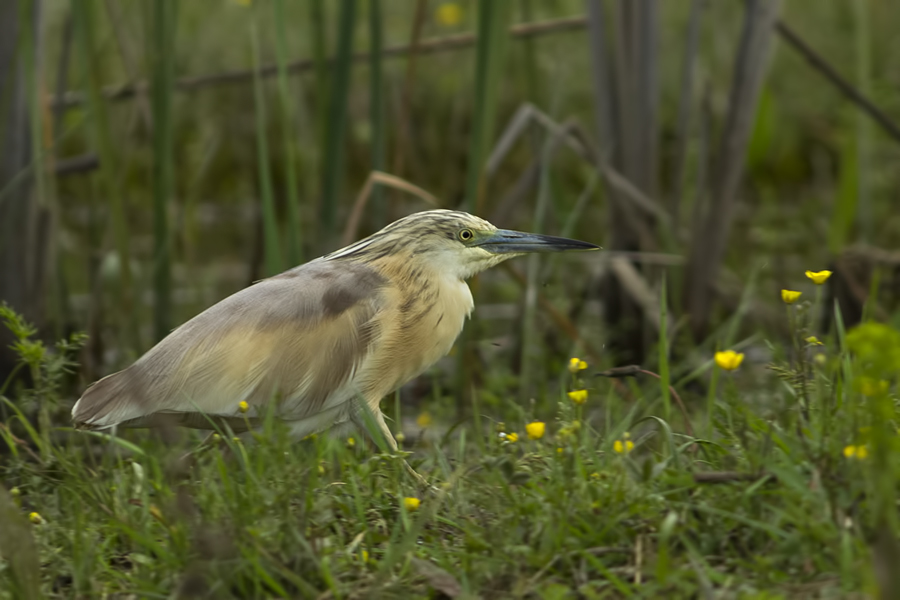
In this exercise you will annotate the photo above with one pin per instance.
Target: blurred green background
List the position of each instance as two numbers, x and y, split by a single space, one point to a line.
156 156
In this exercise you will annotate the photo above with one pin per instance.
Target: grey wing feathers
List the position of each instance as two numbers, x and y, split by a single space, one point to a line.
297 337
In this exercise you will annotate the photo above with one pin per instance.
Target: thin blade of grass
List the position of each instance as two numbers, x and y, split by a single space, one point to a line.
42 253
664 380
18 549
333 175
727 514
493 16
272 259
372 181
161 50
317 33
711 240
377 117
489 53
647 85
683 122
109 175
404 146
288 124
863 123
111 439
529 342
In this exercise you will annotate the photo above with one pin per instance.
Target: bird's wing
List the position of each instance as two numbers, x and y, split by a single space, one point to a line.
294 339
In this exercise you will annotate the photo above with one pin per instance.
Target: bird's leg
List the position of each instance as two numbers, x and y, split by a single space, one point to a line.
389 437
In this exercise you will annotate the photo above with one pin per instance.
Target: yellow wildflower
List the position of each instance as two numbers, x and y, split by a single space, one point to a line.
621 447
510 437
578 396
729 359
424 419
449 14
535 430
857 452
560 450
351 442
365 556
790 296
819 277
576 364
814 341
411 503
243 406
400 437
35 518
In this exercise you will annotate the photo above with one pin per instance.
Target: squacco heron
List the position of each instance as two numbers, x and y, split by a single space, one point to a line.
355 324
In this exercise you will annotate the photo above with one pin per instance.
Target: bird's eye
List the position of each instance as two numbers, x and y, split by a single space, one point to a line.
466 235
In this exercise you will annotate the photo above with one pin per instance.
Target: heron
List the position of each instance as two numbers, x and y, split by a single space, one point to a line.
316 341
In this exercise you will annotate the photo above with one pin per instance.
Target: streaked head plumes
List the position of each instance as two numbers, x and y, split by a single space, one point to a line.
452 242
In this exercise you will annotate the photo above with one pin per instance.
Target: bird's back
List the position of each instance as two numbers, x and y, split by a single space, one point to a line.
301 334
310 339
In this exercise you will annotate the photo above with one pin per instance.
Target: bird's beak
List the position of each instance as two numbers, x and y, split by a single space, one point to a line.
505 241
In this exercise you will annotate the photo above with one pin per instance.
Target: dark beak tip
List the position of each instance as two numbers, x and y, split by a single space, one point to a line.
520 242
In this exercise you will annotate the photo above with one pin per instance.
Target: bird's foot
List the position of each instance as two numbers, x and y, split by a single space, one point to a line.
420 480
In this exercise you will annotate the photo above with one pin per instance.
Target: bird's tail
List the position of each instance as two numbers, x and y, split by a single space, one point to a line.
108 402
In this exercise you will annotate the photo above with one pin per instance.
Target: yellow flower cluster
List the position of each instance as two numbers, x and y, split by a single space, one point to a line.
411 503
623 446
857 452
790 296
578 396
535 430
818 277
576 364
729 359
243 406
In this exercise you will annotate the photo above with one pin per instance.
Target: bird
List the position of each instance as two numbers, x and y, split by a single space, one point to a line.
319 344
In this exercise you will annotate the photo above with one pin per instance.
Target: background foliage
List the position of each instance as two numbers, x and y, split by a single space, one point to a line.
159 156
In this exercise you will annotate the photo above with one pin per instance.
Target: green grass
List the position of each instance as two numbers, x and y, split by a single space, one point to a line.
562 516
243 179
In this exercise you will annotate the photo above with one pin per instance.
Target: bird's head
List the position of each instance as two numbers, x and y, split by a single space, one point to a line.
452 242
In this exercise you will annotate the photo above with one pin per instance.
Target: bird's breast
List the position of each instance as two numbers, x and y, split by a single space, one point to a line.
417 331
454 304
